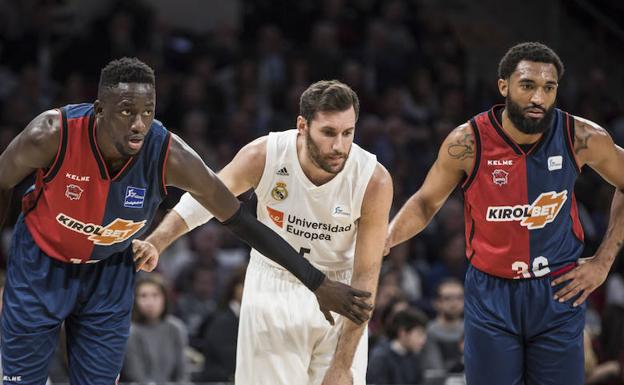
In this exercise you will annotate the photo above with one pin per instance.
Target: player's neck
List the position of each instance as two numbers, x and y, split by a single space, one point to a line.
515 134
113 159
314 173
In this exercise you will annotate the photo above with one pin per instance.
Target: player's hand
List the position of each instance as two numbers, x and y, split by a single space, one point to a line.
145 255
583 279
338 376
343 299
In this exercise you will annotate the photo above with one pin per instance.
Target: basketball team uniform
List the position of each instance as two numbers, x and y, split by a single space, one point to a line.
71 258
283 337
522 230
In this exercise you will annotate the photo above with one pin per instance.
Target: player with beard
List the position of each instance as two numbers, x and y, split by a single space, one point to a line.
525 287
102 169
328 198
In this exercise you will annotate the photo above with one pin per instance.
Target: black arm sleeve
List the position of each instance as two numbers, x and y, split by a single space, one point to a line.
271 245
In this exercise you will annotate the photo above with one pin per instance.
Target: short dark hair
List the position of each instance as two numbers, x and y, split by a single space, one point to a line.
327 96
158 281
125 70
531 51
406 320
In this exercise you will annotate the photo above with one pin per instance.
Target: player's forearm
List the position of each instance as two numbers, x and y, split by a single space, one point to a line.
614 238
347 344
260 237
351 333
409 221
171 228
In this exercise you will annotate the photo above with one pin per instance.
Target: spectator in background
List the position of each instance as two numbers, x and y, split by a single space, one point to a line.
157 342
447 329
194 306
452 264
409 278
398 361
219 333
596 372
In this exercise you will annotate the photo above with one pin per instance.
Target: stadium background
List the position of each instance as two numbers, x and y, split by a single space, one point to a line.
230 71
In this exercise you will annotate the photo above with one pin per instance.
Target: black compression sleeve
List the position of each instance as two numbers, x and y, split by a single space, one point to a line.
271 245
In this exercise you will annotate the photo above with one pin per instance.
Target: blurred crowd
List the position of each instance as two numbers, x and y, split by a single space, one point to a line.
222 85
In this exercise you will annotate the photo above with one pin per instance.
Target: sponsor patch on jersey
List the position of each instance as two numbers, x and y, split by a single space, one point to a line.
534 216
279 192
340 211
73 192
555 162
282 171
276 216
499 177
117 231
135 197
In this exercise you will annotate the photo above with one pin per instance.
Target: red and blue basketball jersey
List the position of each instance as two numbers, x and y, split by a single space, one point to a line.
519 205
76 211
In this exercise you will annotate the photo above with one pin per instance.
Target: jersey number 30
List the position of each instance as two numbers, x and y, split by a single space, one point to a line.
540 268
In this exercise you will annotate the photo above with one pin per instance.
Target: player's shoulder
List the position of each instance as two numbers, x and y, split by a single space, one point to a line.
379 192
381 174
460 144
255 151
77 111
44 128
380 180
591 141
459 149
461 133
583 126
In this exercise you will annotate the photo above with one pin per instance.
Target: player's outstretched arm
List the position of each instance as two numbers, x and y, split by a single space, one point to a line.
455 158
187 171
35 147
593 146
366 265
241 174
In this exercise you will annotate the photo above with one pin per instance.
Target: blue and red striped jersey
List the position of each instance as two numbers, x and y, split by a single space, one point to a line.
519 205
76 211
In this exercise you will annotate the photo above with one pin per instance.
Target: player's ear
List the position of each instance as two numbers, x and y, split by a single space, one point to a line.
97 107
302 124
503 87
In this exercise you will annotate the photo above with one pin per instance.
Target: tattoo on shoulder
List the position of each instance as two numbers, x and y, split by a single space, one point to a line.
463 147
581 137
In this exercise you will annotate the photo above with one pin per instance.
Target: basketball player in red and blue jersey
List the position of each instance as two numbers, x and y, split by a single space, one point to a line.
517 164
102 169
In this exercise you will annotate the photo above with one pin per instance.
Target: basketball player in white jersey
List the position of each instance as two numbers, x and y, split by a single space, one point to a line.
330 199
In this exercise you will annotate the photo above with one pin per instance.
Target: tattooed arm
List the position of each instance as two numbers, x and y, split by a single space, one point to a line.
594 147
455 160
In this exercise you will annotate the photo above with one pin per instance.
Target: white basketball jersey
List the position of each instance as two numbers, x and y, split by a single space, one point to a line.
318 221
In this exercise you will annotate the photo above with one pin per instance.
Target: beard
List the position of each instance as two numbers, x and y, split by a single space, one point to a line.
319 160
529 126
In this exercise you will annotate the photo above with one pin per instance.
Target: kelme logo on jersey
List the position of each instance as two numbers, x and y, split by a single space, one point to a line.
117 231
135 197
535 216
